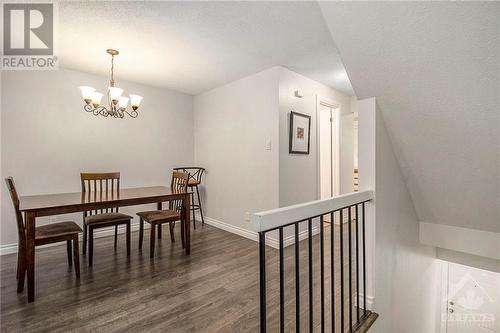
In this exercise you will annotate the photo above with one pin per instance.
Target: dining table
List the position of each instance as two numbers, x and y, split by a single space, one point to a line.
63 203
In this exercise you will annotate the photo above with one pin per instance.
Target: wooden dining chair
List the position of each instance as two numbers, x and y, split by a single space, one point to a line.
174 213
45 234
195 178
102 186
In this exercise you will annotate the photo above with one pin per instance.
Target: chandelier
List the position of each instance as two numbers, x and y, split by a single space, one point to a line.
117 104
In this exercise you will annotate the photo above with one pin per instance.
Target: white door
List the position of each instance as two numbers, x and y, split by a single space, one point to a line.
327 147
473 300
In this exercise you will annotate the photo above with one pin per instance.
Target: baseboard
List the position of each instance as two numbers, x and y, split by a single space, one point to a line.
249 234
12 248
346 220
253 235
230 228
290 240
369 301
8 249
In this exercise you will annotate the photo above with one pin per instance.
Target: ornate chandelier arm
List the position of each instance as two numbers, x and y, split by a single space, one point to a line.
100 110
132 114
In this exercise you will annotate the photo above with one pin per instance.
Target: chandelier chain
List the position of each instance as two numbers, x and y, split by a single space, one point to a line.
112 72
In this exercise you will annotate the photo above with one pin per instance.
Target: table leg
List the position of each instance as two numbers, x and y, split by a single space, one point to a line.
30 255
187 223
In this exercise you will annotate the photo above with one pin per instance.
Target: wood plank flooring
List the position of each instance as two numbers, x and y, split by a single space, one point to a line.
213 290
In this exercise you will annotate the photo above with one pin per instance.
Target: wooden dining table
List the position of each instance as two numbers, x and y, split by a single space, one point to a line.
63 203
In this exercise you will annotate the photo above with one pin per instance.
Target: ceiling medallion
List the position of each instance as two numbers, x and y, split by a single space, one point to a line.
117 104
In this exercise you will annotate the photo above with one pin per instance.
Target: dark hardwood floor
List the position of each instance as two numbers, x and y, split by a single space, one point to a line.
215 289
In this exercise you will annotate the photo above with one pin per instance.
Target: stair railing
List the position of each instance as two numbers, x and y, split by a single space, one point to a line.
309 222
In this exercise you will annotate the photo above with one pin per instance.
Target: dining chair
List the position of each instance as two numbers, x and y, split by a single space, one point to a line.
174 213
195 178
45 234
102 186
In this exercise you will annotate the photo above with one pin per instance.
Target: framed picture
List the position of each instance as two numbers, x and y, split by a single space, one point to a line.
300 133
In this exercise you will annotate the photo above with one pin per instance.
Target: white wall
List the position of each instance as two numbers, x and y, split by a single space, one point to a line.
405 273
48 139
299 173
437 86
232 124
354 110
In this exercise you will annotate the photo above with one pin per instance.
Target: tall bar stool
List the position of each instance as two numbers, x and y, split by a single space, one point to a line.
195 177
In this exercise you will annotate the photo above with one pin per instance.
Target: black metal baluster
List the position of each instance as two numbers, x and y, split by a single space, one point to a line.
262 269
332 267
357 264
322 273
353 212
282 282
342 270
297 280
350 266
309 229
364 260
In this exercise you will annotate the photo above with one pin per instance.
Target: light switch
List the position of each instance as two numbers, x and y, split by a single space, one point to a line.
268 144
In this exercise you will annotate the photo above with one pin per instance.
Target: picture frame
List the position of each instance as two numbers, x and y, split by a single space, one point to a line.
299 133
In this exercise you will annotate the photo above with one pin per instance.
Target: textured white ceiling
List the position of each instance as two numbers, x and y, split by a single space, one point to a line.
435 69
196 46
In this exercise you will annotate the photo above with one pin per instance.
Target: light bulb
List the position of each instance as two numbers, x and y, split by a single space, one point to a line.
115 93
87 93
96 98
123 102
135 101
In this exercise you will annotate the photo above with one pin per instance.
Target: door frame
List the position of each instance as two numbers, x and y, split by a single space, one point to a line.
322 101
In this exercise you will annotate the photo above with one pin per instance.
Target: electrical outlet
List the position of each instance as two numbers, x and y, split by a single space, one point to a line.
247 216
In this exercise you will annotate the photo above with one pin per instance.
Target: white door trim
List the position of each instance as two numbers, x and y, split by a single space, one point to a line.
336 110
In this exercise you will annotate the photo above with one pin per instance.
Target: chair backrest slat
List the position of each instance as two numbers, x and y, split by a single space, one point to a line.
96 186
15 201
179 184
195 173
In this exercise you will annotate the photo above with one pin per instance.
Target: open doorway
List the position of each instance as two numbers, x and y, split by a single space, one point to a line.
328 149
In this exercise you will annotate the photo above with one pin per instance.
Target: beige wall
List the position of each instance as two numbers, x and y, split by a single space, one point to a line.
48 139
232 125
437 87
299 173
403 274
